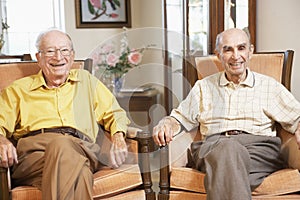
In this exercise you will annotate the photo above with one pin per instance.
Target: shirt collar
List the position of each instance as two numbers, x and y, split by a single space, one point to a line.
249 81
39 81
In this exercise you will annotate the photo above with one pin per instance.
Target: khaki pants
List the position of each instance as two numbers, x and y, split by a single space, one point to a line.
61 166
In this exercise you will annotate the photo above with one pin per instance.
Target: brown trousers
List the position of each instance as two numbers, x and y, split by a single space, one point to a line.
61 166
236 165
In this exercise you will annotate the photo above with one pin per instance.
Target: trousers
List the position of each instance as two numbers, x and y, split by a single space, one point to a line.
235 165
61 166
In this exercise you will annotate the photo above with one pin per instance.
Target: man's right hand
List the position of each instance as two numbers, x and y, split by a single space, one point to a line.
8 153
164 131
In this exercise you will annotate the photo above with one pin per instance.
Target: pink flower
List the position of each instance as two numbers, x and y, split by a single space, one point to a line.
112 59
114 15
135 57
107 48
96 3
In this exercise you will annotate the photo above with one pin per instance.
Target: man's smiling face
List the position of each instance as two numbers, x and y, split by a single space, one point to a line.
235 52
52 59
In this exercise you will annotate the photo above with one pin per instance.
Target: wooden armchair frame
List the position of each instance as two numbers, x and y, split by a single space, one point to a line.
142 138
197 68
24 57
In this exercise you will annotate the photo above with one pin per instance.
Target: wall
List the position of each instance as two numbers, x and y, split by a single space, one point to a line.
146 29
278 29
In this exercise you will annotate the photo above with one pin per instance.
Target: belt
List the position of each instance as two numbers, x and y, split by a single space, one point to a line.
233 132
60 130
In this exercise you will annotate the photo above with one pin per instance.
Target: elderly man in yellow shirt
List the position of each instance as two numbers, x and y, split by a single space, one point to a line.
54 117
236 110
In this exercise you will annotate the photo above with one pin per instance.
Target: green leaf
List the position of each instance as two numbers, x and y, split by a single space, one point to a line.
91 7
117 2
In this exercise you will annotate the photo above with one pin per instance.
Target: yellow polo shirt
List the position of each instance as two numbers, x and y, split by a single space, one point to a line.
82 102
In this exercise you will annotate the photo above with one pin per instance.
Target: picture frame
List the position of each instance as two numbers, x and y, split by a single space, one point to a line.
102 14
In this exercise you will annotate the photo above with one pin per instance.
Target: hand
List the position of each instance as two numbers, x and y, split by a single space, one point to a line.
164 131
297 135
8 153
118 150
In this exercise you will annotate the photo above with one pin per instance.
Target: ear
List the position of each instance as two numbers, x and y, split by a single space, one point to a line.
37 55
217 53
251 50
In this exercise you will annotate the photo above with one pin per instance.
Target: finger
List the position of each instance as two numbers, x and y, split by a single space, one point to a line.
155 136
4 162
10 158
119 158
161 137
112 158
168 133
15 155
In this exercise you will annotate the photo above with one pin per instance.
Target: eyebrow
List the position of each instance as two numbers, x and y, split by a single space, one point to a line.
239 45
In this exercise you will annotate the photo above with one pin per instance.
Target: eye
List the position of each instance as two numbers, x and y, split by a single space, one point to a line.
242 47
50 51
227 49
65 50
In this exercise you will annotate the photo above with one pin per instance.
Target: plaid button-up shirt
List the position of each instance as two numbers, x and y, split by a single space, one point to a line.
254 105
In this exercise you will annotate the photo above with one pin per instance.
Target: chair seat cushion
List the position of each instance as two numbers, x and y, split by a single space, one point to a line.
184 195
107 182
26 193
284 181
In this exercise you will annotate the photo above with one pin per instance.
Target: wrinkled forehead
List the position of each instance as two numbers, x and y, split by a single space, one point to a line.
55 39
234 38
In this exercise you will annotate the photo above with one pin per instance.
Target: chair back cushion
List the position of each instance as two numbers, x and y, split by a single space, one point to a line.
10 72
270 64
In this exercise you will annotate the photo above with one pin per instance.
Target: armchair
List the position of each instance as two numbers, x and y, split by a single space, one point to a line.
131 181
179 181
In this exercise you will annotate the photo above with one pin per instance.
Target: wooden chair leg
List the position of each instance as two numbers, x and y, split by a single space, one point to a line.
144 139
164 183
4 191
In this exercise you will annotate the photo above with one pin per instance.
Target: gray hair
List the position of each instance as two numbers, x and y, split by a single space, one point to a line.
42 34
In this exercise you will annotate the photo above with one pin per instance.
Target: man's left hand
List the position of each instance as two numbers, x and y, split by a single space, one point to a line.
297 135
118 150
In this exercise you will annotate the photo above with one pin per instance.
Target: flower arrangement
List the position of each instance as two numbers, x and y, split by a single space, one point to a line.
4 27
112 63
119 63
99 8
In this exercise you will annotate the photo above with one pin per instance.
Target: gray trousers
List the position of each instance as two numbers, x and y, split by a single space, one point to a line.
236 165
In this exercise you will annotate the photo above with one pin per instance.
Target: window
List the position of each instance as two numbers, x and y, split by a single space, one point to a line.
26 19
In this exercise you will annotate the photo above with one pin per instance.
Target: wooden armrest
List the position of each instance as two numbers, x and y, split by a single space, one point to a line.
132 132
290 149
4 191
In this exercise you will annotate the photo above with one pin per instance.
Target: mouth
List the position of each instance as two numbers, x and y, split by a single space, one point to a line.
58 65
235 64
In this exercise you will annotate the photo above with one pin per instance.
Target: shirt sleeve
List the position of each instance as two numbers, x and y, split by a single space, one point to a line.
188 110
108 112
9 110
284 108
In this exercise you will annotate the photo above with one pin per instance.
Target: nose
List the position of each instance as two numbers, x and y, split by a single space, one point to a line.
57 54
235 54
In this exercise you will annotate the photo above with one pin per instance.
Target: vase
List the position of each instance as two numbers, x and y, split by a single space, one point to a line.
1 45
117 83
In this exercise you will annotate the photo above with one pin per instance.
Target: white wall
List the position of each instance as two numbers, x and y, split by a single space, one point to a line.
146 29
278 28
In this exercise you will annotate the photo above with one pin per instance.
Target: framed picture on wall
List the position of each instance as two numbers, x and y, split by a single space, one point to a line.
102 13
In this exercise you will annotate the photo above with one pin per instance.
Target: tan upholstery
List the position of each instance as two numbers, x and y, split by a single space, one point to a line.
124 183
187 183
